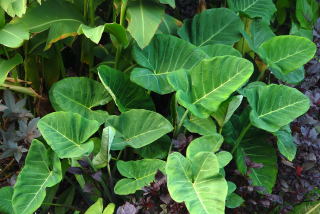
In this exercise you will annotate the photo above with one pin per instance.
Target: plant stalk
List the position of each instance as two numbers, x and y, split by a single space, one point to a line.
119 48
184 116
240 138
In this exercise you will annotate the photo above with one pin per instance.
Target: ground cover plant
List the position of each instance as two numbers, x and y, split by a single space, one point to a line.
159 106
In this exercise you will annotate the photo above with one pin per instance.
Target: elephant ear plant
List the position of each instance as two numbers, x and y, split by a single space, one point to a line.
155 96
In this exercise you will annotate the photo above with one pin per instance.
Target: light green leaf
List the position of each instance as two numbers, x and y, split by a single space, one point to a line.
157 150
67 133
285 143
144 19
80 95
6 200
172 3
42 169
95 33
307 13
7 65
205 144
224 30
103 157
139 174
164 55
14 7
254 8
307 208
196 181
211 82
199 125
13 35
141 128
234 201
125 94
95 208
287 53
287 104
231 187
60 17
224 158
109 209
298 31
219 50
294 77
227 109
259 150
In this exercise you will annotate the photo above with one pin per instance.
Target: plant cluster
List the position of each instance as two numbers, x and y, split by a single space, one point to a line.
152 113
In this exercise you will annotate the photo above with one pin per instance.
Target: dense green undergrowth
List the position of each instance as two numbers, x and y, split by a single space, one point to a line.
139 94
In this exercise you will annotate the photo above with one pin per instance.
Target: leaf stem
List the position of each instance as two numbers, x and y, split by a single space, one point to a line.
241 136
176 131
119 48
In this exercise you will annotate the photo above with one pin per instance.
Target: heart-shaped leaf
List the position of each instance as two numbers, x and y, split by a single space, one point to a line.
139 174
287 53
164 54
254 8
42 169
141 128
198 176
144 19
219 50
202 126
274 106
125 94
210 83
67 133
201 30
285 143
80 95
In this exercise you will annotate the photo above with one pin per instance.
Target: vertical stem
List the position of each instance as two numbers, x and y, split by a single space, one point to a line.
122 17
91 12
176 131
241 136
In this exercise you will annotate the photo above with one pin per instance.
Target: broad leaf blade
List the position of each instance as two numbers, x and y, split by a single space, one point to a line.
201 30
141 128
204 144
139 174
67 133
7 65
125 94
13 35
80 95
165 54
42 169
287 53
285 143
6 200
95 208
219 50
144 19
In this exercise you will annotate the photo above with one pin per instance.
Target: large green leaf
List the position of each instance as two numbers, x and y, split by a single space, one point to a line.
80 95
103 157
67 133
254 8
258 150
95 208
13 35
208 143
287 53
60 17
138 128
125 94
156 150
210 83
196 181
7 65
14 7
307 13
275 106
285 143
144 19
202 126
201 30
139 174
165 54
6 200
42 169
294 77
307 208
169 25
